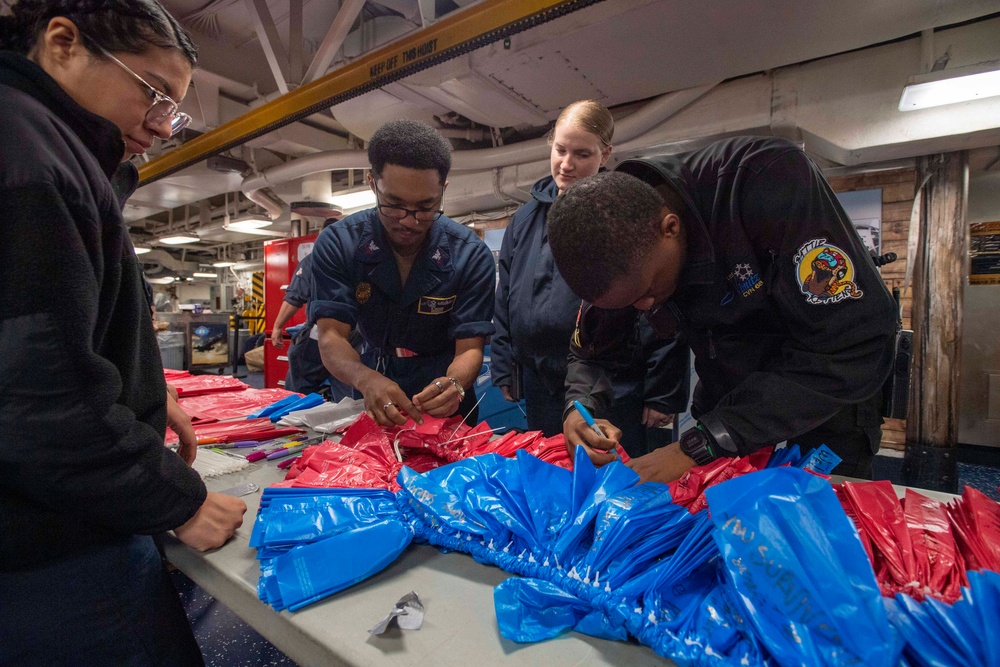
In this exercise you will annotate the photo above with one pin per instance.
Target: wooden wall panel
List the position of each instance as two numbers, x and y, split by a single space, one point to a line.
898 190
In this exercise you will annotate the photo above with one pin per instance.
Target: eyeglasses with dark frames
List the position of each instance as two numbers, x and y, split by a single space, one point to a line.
161 107
398 212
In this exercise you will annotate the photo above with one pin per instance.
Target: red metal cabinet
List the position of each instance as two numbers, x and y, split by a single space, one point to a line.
281 259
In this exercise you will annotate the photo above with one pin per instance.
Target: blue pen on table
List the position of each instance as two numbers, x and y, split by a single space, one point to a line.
589 419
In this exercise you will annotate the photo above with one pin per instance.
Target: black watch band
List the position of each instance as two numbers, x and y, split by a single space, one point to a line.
696 444
722 442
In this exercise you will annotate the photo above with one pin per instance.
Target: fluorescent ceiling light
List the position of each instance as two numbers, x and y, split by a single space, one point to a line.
950 86
247 223
350 200
246 266
223 265
141 250
166 280
199 274
178 239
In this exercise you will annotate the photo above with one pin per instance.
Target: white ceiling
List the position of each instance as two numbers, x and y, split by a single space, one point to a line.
617 51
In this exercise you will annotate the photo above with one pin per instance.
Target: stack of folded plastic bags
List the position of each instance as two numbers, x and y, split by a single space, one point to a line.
234 431
920 546
327 417
219 406
770 571
196 385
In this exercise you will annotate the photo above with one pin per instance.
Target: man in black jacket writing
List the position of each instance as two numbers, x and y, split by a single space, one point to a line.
743 248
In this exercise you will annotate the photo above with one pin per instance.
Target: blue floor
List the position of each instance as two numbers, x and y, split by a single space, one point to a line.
983 474
225 640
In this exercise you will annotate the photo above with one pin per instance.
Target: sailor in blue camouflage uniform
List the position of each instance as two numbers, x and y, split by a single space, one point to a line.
417 285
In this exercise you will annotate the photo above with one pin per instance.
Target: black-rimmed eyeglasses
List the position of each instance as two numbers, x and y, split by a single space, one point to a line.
398 212
161 107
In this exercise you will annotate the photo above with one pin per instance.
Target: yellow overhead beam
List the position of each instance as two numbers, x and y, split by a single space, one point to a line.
463 31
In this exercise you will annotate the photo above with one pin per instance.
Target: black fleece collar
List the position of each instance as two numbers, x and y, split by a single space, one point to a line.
98 134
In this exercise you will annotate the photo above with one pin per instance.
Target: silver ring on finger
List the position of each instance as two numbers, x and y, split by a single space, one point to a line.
437 383
386 406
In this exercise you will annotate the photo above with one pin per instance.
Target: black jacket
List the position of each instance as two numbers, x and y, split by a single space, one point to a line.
82 395
536 310
786 313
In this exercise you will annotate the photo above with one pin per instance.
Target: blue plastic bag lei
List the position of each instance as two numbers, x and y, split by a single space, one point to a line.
776 575
800 571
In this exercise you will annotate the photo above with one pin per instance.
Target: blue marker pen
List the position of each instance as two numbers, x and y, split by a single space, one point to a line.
589 418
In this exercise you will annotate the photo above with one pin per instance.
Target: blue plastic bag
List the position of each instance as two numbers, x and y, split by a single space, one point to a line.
549 497
532 610
301 520
964 633
311 572
590 489
797 565
463 496
308 401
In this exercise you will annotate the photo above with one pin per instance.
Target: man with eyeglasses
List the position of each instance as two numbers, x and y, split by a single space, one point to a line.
417 285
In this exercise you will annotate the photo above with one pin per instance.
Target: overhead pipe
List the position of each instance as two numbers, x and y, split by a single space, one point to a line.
267 201
167 261
630 127
487 159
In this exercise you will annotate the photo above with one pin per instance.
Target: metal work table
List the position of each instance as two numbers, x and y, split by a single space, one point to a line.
459 628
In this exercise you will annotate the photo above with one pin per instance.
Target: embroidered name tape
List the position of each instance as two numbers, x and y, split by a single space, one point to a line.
436 305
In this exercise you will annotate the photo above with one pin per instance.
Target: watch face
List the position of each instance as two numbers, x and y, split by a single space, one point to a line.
694 443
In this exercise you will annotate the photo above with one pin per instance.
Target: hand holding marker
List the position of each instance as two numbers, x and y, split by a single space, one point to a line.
589 419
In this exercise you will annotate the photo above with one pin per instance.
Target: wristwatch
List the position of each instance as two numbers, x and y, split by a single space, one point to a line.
695 443
707 441
459 387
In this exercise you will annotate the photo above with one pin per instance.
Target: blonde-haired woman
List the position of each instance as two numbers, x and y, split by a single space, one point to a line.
536 311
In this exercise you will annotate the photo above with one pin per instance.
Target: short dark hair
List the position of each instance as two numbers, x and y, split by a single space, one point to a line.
410 144
117 26
601 228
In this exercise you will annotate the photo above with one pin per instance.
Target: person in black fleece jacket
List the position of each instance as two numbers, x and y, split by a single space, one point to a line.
84 476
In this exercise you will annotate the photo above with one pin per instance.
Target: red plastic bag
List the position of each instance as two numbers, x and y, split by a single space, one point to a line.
368 454
876 508
243 429
231 404
940 568
845 502
976 522
364 458
332 465
196 385
689 490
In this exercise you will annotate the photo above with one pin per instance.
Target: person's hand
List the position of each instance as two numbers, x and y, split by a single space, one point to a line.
180 423
507 396
172 391
214 522
439 399
600 450
277 338
654 419
387 404
662 465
